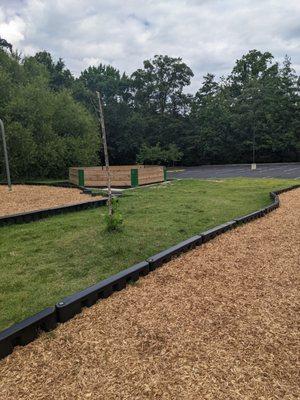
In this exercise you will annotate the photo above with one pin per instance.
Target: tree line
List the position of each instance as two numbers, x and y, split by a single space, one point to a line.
51 124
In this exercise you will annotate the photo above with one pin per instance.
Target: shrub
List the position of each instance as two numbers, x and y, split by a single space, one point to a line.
114 222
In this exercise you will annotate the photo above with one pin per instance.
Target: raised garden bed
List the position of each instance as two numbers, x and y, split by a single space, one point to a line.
121 176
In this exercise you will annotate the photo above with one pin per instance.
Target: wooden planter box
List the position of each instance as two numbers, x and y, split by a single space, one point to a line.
121 176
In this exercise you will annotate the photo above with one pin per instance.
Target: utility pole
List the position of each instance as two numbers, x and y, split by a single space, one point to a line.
253 126
5 155
253 165
102 124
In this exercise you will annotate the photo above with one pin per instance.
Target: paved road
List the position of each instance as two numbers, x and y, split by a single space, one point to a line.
289 170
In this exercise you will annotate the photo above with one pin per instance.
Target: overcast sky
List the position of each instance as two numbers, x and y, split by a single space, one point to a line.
208 34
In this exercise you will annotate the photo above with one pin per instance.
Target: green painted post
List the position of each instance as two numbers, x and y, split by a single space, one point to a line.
165 173
134 177
80 177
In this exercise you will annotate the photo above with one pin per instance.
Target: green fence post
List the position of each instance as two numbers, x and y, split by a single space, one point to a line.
134 177
165 173
80 177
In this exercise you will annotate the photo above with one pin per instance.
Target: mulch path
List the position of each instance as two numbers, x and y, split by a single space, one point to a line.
30 197
219 322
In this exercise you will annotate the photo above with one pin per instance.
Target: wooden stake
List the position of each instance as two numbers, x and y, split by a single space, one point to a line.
102 124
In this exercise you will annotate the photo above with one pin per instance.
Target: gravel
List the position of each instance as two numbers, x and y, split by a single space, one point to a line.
219 322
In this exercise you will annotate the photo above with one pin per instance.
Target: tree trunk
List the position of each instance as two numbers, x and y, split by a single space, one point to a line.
102 124
5 155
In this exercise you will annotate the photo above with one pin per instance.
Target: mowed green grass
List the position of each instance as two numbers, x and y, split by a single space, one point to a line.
41 262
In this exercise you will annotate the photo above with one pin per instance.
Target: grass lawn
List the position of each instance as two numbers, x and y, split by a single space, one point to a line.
44 261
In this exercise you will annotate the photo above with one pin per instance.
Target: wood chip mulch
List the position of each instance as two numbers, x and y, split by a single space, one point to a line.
219 322
24 198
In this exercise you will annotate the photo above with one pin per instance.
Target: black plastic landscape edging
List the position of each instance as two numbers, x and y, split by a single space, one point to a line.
213 232
71 305
30 216
27 330
158 259
64 184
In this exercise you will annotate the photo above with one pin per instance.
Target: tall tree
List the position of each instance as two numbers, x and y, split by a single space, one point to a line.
159 86
256 88
5 44
47 131
108 80
60 76
50 118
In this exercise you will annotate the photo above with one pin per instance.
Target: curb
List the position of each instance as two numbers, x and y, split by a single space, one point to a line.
47 212
27 330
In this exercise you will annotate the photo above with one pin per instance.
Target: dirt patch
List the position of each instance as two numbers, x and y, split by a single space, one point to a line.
29 198
219 322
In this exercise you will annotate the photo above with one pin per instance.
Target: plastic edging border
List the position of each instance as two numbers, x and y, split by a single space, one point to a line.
158 259
47 212
27 330
72 305
64 184
217 230
260 213
287 189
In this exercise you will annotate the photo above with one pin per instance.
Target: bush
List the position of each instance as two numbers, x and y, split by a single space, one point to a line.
47 131
157 155
114 222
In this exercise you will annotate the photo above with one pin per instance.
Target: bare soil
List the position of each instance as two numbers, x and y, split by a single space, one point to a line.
30 197
219 322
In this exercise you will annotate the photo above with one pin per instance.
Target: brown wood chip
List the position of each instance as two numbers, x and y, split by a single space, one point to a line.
219 322
29 198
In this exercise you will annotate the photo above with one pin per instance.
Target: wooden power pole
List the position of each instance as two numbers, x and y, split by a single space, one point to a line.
5 155
102 124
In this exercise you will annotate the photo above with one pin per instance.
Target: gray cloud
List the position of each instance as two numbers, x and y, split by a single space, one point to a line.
208 34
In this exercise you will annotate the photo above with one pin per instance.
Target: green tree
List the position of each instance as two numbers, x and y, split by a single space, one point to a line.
159 86
259 95
113 86
173 154
60 76
151 155
158 155
51 125
47 130
116 93
5 44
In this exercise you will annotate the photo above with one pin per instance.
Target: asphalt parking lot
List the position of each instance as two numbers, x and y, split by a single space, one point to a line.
289 171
